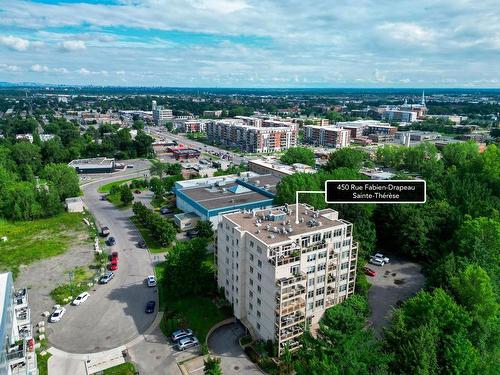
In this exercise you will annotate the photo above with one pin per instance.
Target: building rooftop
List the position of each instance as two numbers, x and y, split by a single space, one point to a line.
94 161
278 166
277 224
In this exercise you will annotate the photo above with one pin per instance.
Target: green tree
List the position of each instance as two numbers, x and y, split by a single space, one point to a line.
301 155
64 179
126 195
346 158
25 153
205 228
212 366
158 168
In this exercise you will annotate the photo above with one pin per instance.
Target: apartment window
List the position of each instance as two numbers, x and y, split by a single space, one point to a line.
310 282
322 255
237 301
337 245
237 242
250 306
227 238
310 306
319 303
259 249
251 244
227 260
258 326
317 237
237 278
227 282
320 279
259 289
345 254
343 277
251 281
259 263
311 257
259 302
251 257
344 266
294 270
250 293
251 269
310 294
321 267
227 249
342 288
337 232
237 254
237 290
305 241
347 242
259 276
258 314
328 235
237 266
320 291
311 269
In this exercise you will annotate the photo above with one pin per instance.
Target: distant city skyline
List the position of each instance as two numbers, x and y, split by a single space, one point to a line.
249 43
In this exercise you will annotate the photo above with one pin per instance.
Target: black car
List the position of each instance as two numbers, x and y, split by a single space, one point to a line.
192 233
141 244
164 210
111 241
150 307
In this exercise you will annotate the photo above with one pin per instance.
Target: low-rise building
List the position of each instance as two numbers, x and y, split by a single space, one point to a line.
397 115
93 165
279 274
74 204
273 166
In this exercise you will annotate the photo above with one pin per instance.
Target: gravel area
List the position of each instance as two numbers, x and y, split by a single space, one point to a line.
42 277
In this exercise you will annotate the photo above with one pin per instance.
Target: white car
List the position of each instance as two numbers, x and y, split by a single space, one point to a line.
381 256
57 315
82 297
377 261
151 281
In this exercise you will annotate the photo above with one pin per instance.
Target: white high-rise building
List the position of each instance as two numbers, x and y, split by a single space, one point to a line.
281 276
160 114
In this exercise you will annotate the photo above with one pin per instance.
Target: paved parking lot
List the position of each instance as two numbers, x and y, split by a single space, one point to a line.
394 282
223 343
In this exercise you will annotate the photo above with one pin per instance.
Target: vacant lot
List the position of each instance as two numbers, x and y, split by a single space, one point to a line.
30 241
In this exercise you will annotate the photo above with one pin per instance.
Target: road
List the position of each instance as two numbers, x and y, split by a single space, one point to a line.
162 133
114 313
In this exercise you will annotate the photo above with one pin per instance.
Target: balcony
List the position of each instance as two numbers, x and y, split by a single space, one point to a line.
329 302
289 333
332 267
290 320
22 315
290 307
316 247
280 260
296 278
290 292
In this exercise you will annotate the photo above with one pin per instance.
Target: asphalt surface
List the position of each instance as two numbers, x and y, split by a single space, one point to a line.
114 313
224 343
394 282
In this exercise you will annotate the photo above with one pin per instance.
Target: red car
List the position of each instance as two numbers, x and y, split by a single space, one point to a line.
114 255
370 272
113 266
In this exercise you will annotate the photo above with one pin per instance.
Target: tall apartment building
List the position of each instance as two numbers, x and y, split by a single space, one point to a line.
328 136
251 134
17 353
160 114
281 276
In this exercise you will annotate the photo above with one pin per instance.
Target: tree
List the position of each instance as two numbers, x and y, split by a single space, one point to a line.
299 155
212 366
346 158
126 195
64 179
25 153
158 168
205 229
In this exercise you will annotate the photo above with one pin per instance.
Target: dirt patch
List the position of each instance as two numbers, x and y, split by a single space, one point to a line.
42 277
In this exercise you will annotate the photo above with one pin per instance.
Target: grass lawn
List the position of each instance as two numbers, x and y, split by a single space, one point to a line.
116 201
126 368
107 187
81 278
162 295
42 363
198 313
152 244
30 241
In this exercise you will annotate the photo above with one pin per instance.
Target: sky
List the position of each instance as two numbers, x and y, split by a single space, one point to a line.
252 43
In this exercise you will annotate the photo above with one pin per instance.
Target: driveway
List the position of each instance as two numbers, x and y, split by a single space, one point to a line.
394 282
223 343
114 313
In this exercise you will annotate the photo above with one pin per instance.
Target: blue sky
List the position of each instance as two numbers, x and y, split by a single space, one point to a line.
252 43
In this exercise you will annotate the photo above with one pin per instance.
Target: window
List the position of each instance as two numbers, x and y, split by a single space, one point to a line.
337 245
319 303
227 282
251 269
258 314
259 302
227 238
237 267
310 306
227 260
259 289
258 326
310 294
305 241
259 276
343 287
294 270
237 242
251 281
345 254
259 249
337 232
310 282
237 278
320 291
347 242
259 263
250 306
344 266
328 235
317 237
343 277
311 257
250 293
251 244
251 257
320 279
321 267
322 255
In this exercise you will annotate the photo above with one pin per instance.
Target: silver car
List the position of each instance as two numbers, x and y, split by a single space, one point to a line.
187 342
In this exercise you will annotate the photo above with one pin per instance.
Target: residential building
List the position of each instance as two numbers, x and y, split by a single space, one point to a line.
194 126
281 275
380 128
272 165
209 197
251 134
327 136
397 115
212 114
17 355
94 165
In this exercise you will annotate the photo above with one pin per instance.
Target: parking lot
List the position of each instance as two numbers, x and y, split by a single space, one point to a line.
394 282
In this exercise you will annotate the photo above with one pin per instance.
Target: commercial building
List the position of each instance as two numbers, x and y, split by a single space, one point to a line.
94 165
380 128
397 115
273 166
161 115
17 354
251 134
185 153
327 136
209 197
281 275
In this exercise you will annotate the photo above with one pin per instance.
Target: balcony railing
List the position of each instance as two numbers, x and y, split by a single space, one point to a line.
296 278
291 332
284 259
290 292
16 352
287 321
300 304
316 247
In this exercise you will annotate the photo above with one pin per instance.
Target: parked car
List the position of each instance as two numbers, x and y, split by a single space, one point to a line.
142 244
103 197
381 256
130 165
187 342
104 231
192 233
137 191
151 281
165 210
150 307
113 266
377 261
114 255
110 241
57 315
180 334
82 297
370 272
104 279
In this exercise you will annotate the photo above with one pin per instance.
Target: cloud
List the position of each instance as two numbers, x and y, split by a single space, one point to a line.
9 68
72 45
39 68
15 43
407 32
60 70
83 71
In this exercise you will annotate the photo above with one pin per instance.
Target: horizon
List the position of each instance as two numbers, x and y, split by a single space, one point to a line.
249 43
